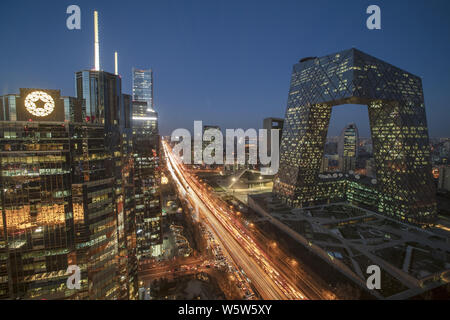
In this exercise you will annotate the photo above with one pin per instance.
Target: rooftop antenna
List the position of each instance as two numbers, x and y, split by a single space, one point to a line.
96 43
116 64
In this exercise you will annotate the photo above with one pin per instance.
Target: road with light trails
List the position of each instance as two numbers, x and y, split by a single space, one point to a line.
245 253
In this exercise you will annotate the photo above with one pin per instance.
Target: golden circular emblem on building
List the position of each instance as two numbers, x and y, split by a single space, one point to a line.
39 111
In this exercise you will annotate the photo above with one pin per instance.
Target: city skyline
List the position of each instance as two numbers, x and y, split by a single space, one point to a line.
100 198
179 50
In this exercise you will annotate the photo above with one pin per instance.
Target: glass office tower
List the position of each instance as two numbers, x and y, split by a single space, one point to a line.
95 223
394 97
36 209
102 93
146 142
56 200
106 105
144 120
143 86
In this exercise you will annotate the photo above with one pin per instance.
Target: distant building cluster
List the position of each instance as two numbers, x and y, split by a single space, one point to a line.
440 155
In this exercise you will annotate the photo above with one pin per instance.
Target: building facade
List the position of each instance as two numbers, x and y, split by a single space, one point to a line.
398 123
56 201
143 86
144 120
106 105
147 164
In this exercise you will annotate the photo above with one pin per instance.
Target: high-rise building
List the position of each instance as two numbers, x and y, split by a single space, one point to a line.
95 220
147 163
348 148
147 195
67 191
348 141
102 93
394 97
146 151
56 201
145 121
107 106
143 86
127 205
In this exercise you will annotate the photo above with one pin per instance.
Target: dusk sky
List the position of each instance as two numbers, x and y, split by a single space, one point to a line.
227 63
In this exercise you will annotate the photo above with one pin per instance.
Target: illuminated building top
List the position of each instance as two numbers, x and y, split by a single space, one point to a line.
33 104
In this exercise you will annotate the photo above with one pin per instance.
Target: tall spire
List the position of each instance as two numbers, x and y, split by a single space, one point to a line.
116 64
96 43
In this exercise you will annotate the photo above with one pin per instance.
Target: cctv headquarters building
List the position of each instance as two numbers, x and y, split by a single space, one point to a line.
403 187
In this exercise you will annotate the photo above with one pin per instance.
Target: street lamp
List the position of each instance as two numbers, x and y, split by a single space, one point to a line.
294 264
272 245
230 280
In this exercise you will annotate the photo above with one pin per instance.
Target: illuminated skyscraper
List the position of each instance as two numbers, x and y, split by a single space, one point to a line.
67 191
56 200
403 188
146 141
146 151
143 86
147 180
107 106
144 120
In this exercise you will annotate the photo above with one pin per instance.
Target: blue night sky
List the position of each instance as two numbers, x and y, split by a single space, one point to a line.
227 63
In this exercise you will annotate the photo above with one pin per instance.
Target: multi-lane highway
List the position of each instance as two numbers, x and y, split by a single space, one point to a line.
271 281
